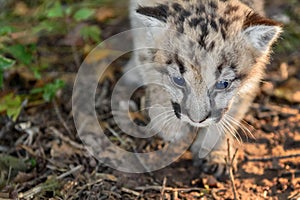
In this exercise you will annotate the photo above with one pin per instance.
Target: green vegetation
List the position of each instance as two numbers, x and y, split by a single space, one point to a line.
25 29
290 38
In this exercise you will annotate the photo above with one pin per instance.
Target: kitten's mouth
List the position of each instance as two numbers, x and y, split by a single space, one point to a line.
203 123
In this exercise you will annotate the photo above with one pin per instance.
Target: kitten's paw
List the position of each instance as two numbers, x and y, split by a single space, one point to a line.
215 164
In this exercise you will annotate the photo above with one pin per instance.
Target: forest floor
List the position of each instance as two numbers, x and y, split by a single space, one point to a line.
42 156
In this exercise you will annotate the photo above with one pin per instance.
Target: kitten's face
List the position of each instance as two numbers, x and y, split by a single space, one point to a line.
203 85
217 51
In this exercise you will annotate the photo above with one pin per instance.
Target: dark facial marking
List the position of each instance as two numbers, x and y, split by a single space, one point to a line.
223 32
180 64
224 23
200 9
219 71
186 13
214 25
177 7
213 5
196 21
179 27
211 46
180 10
203 36
177 109
253 19
169 61
159 12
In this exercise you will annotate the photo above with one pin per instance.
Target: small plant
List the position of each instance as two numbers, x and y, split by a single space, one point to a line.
12 105
21 47
5 64
49 90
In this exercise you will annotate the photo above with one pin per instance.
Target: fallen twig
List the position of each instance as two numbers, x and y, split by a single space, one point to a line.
271 158
62 121
75 169
129 191
170 189
46 185
229 163
162 192
66 139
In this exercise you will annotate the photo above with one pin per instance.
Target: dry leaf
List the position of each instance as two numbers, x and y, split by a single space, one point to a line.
108 177
63 150
24 177
103 14
109 74
21 9
98 55
136 115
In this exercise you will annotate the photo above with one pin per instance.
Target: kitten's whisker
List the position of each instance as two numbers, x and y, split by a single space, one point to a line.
228 129
234 130
152 107
245 129
158 119
236 123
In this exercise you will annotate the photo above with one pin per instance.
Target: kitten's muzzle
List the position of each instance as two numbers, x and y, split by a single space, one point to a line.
178 112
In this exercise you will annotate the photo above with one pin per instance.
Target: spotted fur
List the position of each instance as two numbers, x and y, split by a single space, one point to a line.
203 42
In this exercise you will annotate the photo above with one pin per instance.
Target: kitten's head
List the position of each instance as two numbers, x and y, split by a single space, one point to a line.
210 52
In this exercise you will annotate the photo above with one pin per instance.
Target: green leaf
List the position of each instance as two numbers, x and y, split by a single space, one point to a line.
68 11
12 105
31 162
20 53
49 90
91 32
48 26
56 11
37 74
5 63
5 30
84 14
1 78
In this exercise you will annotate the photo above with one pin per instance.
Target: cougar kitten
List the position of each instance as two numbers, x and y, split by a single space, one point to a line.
209 57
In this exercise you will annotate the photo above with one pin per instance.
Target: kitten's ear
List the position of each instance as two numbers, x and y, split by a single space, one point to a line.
153 16
261 32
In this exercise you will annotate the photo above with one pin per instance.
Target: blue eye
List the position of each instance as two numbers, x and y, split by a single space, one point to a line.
179 81
221 85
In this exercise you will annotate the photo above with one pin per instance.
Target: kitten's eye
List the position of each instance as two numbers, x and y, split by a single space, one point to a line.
221 85
180 81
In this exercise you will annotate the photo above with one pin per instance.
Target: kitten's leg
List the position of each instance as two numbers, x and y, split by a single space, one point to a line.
138 38
211 148
133 76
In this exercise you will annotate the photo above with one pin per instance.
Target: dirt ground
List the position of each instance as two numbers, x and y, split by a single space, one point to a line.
42 156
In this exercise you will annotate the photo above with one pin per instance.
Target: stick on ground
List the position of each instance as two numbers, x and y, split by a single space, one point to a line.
229 163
